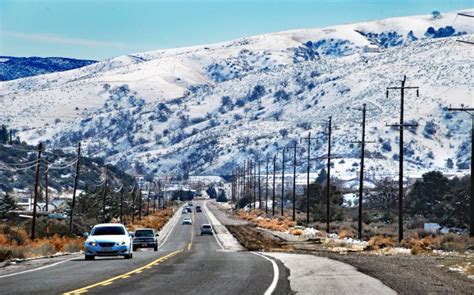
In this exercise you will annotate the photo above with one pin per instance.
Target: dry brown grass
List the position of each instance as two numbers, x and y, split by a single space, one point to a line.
156 220
380 242
257 217
15 243
296 231
346 234
425 243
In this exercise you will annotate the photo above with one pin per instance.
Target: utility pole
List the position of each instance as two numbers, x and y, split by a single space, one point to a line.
104 193
35 201
266 189
148 201
273 195
328 183
361 177
255 184
121 200
401 127
294 182
283 181
139 203
46 199
133 203
308 169
470 111
470 43
259 188
244 180
76 179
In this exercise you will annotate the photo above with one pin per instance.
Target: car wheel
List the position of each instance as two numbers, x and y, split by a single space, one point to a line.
89 257
155 248
128 256
134 248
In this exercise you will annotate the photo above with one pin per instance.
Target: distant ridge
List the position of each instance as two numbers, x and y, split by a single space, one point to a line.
12 68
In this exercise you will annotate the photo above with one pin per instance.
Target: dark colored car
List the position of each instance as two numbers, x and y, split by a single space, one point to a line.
145 238
206 229
198 209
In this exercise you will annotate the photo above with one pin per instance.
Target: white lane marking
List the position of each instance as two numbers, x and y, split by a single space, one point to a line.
35 269
169 232
57 263
276 274
214 233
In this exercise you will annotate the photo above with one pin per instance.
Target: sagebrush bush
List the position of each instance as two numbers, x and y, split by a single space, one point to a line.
379 242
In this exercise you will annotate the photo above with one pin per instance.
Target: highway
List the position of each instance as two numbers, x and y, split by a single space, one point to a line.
186 263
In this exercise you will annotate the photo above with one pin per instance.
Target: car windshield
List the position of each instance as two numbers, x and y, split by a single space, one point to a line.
206 226
144 234
108 230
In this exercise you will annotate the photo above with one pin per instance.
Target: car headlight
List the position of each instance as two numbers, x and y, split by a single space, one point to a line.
93 244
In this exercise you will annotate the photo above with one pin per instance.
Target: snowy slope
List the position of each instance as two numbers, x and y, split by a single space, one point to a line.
203 109
19 67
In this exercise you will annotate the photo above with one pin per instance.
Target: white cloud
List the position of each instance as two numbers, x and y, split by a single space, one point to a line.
56 39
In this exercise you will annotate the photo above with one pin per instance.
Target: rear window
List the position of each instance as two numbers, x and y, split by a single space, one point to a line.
144 234
206 226
108 230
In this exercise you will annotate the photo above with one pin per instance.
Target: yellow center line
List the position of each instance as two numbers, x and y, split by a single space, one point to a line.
192 233
125 275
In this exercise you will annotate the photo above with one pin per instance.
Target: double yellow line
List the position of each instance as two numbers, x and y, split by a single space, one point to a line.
125 275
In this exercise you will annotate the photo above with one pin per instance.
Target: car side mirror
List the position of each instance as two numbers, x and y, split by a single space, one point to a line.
157 235
86 235
131 235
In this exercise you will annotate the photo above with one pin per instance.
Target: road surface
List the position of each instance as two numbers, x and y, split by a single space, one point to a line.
186 263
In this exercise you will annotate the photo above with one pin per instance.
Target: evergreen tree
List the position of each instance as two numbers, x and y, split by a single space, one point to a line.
322 176
7 203
429 196
4 134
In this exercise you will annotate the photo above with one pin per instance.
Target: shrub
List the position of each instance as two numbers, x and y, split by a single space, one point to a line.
380 242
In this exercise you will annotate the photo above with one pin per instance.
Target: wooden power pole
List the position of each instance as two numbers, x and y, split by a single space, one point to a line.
35 201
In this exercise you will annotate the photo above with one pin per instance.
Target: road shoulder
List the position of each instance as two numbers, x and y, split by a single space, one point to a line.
309 273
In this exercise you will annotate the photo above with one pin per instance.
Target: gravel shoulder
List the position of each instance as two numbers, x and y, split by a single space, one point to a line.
406 274
410 274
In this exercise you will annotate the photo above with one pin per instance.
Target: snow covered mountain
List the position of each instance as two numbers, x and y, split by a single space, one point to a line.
204 109
19 67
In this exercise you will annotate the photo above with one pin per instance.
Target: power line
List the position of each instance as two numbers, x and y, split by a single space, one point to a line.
402 126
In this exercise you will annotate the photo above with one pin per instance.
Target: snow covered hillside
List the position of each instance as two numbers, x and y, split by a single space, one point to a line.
204 109
19 67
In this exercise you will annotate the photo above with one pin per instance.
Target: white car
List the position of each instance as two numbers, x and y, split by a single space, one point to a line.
187 220
108 239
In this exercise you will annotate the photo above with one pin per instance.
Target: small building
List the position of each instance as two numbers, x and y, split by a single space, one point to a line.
372 48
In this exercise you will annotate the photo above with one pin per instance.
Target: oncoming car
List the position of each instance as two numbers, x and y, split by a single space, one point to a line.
206 229
108 239
145 238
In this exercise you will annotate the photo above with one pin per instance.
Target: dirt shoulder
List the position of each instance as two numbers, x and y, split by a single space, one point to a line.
406 274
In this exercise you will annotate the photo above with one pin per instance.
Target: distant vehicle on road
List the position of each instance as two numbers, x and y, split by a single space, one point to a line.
145 238
108 239
190 209
185 210
206 229
187 220
198 209
190 204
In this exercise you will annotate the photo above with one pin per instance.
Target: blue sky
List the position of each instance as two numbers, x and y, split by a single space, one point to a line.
103 29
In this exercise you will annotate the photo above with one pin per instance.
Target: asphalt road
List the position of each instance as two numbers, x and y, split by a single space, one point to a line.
186 263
